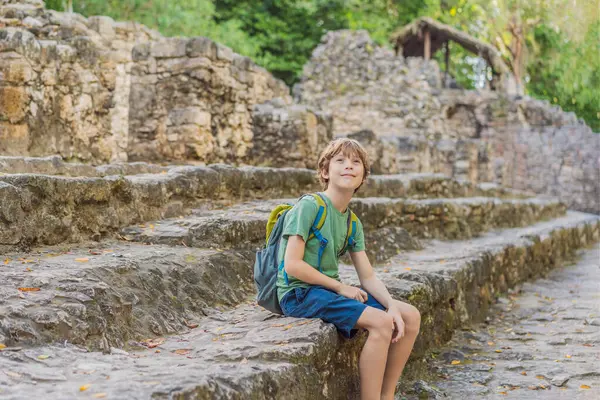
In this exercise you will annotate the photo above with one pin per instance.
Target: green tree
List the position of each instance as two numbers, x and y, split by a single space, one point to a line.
171 18
286 31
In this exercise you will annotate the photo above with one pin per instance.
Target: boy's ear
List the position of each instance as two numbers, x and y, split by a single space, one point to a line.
324 174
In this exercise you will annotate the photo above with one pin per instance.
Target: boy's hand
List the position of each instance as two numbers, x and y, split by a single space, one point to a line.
398 324
352 292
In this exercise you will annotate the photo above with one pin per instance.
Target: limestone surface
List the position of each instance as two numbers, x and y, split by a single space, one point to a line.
248 352
540 342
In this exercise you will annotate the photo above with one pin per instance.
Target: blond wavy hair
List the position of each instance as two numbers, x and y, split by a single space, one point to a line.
348 147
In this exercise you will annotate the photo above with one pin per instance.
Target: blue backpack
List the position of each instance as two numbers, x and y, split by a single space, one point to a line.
266 267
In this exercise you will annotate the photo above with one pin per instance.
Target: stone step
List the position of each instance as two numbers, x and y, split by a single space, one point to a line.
116 291
54 165
250 353
243 225
113 292
49 209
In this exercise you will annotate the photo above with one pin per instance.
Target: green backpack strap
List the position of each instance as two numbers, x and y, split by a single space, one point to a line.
276 213
315 229
351 231
321 214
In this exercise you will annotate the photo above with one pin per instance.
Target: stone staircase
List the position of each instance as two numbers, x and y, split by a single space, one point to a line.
136 279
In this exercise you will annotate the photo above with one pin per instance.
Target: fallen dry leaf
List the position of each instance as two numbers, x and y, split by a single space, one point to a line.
29 289
498 351
152 343
455 362
6 261
182 352
491 343
12 374
244 361
588 345
99 395
568 356
524 373
43 356
83 259
540 377
585 387
503 393
2 346
28 269
285 328
83 388
407 268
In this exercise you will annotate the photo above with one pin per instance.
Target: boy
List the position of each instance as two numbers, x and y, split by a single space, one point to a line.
307 293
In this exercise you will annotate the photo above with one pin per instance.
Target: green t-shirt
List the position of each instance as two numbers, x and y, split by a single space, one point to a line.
298 221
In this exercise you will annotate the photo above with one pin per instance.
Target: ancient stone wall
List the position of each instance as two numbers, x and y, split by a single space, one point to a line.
409 123
366 86
193 99
95 90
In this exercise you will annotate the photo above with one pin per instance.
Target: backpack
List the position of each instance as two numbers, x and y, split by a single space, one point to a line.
266 267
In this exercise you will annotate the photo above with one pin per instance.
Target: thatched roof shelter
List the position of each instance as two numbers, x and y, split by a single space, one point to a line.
424 36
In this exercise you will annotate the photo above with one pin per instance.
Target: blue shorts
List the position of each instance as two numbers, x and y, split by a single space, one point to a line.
319 302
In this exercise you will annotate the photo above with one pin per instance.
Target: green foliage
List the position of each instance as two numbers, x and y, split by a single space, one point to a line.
286 30
171 18
567 73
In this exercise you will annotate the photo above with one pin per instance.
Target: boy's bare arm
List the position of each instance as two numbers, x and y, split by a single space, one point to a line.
368 280
295 265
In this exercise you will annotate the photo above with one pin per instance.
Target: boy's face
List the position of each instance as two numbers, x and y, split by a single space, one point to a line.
345 171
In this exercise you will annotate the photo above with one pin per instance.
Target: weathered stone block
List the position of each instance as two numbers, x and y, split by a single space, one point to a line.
202 47
13 103
285 135
32 22
14 139
140 52
180 65
103 25
224 53
169 48
14 69
189 115
20 41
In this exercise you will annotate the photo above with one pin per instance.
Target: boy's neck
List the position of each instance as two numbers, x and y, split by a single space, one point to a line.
339 199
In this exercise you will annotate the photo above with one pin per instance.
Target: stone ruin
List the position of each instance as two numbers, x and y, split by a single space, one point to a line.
95 90
413 124
134 279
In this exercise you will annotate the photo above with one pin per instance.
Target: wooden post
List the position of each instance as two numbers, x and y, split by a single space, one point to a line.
447 62
427 50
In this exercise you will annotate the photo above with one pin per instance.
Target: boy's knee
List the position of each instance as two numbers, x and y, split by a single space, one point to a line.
383 328
413 320
411 317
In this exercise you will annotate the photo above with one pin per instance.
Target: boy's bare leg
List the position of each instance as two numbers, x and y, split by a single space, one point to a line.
398 352
375 351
